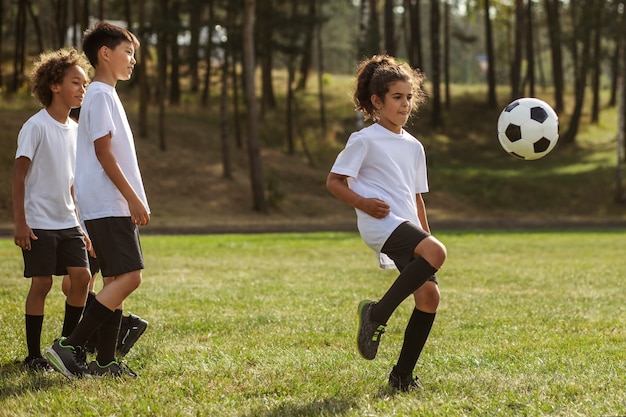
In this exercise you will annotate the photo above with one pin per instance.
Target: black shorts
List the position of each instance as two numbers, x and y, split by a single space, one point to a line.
54 251
400 246
117 246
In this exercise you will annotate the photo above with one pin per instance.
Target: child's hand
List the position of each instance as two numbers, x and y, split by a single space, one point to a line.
375 207
23 235
138 213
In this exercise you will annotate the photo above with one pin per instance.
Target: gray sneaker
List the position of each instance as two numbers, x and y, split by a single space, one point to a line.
369 332
69 360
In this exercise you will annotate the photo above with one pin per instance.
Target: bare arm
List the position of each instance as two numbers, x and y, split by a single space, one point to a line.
138 211
421 212
338 186
22 233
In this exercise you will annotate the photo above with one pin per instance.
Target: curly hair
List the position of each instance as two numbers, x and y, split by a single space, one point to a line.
373 77
50 68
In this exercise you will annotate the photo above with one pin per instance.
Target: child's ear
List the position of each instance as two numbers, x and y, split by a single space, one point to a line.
55 88
104 52
376 101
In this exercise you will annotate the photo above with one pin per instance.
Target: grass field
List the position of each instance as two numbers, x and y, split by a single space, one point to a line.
530 323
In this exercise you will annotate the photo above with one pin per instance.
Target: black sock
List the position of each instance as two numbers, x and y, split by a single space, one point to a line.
413 276
415 336
34 324
94 316
107 338
72 317
90 297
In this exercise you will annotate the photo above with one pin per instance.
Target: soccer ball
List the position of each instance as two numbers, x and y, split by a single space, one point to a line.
528 128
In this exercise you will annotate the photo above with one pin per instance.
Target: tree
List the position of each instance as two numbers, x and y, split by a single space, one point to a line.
259 203
516 64
581 55
552 8
491 59
620 195
390 28
414 43
436 59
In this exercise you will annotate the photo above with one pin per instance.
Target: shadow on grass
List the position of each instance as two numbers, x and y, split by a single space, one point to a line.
13 385
321 407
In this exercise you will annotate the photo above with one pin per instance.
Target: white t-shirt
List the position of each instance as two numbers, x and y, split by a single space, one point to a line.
102 113
51 148
389 166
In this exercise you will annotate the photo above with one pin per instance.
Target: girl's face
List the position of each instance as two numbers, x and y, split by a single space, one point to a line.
71 90
395 109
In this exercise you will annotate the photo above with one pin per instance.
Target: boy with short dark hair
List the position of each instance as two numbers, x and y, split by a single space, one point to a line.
112 202
46 224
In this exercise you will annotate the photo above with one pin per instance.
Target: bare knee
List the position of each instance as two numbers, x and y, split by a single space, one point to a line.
432 250
40 286
427 297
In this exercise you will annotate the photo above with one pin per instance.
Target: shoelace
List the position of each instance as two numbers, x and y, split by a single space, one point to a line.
378 333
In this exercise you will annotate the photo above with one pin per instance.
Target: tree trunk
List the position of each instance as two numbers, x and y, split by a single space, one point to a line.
172 29
19 47
530 50
446 53
259 202
195 15
142 71
620 195
436 59
162 73
582 37
60 22
595 64
390 28
554 32
307 51
516 65
320 77
415 42
227 170
492 101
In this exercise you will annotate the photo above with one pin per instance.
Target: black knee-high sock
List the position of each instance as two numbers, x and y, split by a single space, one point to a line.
413 276
94 316
34 324
107 338
415 336
72 317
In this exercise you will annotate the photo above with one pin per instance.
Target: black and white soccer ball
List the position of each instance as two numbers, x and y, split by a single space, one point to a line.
528 128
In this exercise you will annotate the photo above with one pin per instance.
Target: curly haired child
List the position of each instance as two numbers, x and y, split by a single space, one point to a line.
382 174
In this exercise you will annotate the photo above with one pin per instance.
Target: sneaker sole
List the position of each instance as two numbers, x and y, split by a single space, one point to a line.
359 314
57 363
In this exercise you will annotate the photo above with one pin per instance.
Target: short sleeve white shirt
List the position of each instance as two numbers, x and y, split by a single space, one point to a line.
102 113
51 148
388 166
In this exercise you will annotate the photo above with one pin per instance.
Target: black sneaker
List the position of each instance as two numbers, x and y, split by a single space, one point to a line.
69 360
131 328
37 363
404 383
112 369
369 332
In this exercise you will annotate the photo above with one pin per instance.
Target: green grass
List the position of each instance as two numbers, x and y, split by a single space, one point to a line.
530 323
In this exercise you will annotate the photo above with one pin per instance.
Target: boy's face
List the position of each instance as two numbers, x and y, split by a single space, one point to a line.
71 90
121 60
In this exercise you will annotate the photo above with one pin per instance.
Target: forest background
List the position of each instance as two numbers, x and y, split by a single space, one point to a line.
239 107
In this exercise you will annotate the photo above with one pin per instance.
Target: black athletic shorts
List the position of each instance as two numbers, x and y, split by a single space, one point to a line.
117 246
54 251
400 246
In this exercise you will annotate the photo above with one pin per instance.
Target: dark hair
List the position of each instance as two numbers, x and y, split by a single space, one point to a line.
105 34
373 77
50 68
